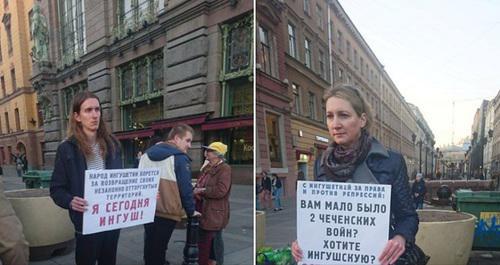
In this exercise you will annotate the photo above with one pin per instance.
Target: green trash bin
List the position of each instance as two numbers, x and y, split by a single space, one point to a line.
35 179
485 205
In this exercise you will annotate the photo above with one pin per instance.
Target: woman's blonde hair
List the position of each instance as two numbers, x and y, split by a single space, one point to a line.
355 98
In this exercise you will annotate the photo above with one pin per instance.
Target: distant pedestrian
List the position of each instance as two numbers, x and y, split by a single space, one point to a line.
418 189
277 191
300 177
266 190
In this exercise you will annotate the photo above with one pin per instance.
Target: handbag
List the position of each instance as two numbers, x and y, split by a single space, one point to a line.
413 255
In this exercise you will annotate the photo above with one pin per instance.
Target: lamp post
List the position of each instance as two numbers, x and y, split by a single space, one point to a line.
420 156
191 248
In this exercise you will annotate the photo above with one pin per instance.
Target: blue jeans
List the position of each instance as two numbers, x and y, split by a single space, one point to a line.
277 197
419 205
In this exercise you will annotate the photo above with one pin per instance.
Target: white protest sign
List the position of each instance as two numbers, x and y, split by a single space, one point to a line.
342 223
119 198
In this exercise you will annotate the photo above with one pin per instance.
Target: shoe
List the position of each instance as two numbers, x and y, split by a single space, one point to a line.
280 209
276 209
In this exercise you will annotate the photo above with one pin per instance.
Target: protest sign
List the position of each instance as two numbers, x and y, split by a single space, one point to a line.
119 198
342 223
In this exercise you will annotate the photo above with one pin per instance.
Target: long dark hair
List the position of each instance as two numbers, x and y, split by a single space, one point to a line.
104 138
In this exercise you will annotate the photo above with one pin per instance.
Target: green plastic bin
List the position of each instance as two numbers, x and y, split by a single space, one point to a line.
485 205
35 179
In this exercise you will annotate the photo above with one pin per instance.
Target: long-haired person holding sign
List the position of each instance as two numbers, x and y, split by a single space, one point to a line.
355 156
89 145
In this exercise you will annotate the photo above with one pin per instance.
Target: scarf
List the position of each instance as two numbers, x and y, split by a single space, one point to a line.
340 163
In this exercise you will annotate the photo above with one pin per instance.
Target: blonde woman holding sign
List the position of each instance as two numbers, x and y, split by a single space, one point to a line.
89 146
355 156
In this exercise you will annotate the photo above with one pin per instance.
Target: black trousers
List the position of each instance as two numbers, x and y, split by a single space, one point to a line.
99 247
157 236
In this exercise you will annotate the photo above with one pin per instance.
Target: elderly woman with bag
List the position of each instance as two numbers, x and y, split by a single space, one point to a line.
212 198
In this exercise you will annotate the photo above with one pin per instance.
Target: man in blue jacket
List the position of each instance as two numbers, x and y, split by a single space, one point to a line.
175 190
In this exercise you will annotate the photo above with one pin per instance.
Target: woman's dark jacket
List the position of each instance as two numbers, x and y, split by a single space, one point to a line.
68 177
386 167
419 188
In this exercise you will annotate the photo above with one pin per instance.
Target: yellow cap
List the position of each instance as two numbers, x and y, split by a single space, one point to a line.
218 147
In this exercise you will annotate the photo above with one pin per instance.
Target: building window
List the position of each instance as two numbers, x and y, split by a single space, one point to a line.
323 110
18 121
4 91
39 114
265 50
296 98
72 23
141 79
134 14
331 32
349 80
321 64
1 127
349 55
7 125
13 78
9 34
361 63
30 21
1 57
356 59
69 93
239 45
274 140
240 98
319 13
308 55
341 74
292 45
237 89
340 41
333 71
312 105
307 7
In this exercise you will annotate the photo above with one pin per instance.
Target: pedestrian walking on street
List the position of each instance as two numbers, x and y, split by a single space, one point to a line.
212 199
175 190
88 146
355 156
277 191
266 191
418 189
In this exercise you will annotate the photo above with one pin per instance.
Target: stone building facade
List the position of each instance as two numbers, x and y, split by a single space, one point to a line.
153 64
20 127
322 47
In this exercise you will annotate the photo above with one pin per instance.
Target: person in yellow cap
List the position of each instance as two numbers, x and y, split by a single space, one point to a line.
212 192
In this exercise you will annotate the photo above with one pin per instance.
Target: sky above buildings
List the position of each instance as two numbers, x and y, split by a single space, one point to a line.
437 53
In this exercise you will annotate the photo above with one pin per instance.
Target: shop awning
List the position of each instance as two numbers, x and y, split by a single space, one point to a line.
133 134
189 120
226 123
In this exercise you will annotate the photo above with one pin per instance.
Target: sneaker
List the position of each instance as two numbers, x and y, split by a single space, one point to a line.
280 209
276 209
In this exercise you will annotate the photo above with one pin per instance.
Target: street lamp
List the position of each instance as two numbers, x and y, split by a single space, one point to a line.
420 156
